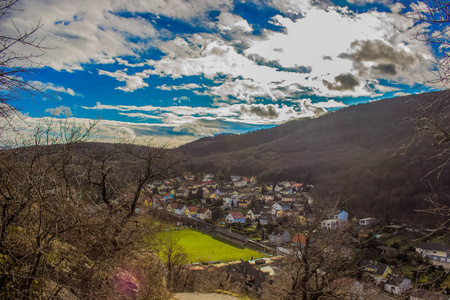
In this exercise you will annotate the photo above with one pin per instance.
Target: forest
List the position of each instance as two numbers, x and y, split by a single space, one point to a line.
372 155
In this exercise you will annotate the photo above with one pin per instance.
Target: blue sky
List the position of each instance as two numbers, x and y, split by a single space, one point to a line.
178 70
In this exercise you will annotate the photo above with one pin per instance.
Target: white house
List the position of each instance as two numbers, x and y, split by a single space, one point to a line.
281 205
435 252
340 215
204 214
367 222
240 183
180 210
235 217
253 214
397 284
330 224
266 218
235 178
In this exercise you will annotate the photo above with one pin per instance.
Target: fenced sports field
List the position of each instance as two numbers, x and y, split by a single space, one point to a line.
202 247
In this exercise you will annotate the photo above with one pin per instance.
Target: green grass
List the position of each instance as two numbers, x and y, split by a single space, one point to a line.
439 239
394 239
204 247
446 282
408 271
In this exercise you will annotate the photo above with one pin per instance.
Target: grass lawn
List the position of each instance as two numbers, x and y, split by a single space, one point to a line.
408 271
446 283
204 247
392 240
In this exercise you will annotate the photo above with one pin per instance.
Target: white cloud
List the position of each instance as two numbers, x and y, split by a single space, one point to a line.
133 82
104 130
364 2
61 110
126 63
255 114
197 128
399 94
228 21
180 9
329 104
245 90
81 32
304 42
329 33
189 86
181 99
141 116
60 89
84 32
291 6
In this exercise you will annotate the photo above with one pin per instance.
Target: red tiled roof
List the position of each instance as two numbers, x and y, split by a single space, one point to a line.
173 205
237 215
193 208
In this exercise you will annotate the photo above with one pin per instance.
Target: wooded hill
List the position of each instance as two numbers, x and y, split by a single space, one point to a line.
357 153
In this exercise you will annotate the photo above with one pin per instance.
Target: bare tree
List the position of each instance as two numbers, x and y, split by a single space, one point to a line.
175 259
314 266
433 17
323 263
16 63
433 118
69 222
57 236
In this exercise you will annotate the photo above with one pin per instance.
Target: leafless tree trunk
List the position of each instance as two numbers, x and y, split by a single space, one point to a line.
56 235
320 262
16 66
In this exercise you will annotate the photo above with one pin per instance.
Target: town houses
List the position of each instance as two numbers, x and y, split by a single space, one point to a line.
245 211
238 199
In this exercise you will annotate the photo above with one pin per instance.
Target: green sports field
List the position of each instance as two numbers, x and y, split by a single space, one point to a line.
204 247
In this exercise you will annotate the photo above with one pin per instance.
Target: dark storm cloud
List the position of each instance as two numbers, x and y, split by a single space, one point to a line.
343 82
385 69
269 112
276 65
378 51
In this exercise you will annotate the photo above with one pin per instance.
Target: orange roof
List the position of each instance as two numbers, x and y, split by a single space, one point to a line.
299 238
192 208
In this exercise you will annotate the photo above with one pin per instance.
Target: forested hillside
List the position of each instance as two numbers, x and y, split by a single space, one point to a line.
358 153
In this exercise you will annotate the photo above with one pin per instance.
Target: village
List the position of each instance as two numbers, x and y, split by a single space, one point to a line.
394 256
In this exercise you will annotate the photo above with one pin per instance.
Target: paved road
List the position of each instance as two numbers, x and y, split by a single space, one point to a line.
201 296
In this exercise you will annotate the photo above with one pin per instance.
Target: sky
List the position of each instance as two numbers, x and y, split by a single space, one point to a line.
173 71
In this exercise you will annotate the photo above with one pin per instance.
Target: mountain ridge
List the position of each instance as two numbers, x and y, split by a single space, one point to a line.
357 152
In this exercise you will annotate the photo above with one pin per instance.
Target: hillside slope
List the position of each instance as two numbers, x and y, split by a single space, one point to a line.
353 153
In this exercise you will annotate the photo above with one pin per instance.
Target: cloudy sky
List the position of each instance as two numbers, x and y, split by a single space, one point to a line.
178 70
